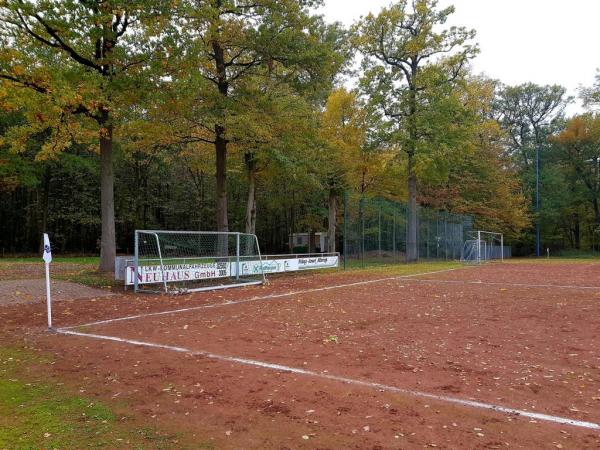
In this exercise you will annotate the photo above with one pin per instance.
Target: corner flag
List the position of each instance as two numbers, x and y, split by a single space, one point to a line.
47 250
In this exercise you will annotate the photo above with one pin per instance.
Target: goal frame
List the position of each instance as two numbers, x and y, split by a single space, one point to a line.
479 237
160 260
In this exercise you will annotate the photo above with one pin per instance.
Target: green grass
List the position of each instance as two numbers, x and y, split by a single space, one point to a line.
578 254
90 278
554 260
402 268
86 260
36 413
78 269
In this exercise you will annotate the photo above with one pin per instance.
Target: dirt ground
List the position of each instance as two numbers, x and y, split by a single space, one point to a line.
35 270
24 291
520 335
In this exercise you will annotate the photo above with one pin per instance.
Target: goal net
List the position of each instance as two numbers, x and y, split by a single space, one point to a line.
190 261
482 246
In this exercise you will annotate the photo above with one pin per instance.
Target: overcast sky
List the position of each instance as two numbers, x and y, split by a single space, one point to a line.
543 41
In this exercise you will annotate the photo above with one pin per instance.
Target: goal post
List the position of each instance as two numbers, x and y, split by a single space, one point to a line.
482 246
191 261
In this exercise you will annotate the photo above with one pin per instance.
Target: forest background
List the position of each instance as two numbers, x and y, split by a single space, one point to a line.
260 116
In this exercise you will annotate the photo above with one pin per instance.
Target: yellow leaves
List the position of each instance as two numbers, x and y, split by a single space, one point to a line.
18 70
104 132
343 122
579 130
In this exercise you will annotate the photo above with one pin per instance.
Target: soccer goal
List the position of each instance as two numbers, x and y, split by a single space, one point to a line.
482 246
191 261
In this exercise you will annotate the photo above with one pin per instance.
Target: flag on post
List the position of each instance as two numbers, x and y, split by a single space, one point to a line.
47 250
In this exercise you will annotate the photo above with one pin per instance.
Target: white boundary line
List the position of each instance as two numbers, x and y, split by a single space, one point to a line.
497 283
254 299
362 383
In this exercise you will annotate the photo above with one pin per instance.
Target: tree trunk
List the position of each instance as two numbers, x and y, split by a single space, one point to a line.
577 232
108 249
221 178
412 220
596 211
292 229
251 202
331 222
311 241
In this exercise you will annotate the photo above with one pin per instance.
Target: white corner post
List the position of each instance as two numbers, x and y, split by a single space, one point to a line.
47 257
502 247
479 247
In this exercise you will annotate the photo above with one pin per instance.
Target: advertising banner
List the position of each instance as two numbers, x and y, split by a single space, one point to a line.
177 272
318 262
191 272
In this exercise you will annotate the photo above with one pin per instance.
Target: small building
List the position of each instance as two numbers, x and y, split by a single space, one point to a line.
300 242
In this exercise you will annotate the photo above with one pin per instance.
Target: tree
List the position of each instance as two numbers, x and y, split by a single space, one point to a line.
410 67
481 181
527 112
230 53
282 133
579 150
73 65
591 95
343 130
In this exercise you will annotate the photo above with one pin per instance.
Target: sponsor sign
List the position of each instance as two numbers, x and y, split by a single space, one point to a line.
190 272
318 262
177 272
268 266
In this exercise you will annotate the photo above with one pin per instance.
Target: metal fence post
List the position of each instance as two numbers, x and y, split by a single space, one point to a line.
362 230
345 241
379 233
237 256
394 236
135 262
446 238
428 238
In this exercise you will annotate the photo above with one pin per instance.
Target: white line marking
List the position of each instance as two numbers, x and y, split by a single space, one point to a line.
497 283
368 384
254 299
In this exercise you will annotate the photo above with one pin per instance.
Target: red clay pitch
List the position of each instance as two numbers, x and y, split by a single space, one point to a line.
483 333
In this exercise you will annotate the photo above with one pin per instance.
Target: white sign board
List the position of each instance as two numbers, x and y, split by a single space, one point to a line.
268 266
285 265
191 272
177 272
318 262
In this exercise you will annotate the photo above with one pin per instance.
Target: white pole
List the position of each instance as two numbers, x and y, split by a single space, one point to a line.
502 247
49 298
479 247
47 257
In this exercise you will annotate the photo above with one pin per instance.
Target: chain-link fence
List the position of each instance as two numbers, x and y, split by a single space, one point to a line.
374 231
